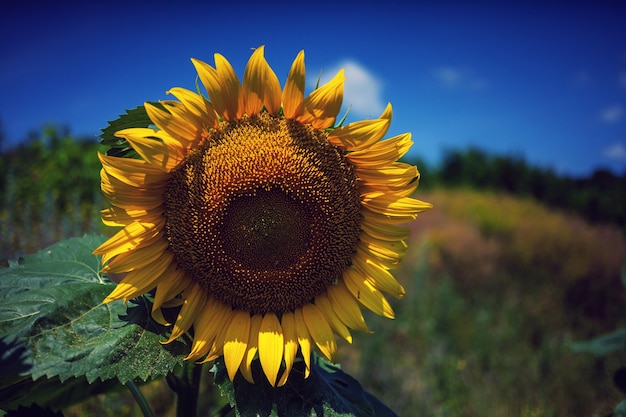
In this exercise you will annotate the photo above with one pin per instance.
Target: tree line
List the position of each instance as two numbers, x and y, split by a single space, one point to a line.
599 197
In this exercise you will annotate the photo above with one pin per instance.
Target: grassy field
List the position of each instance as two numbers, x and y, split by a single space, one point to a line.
497 288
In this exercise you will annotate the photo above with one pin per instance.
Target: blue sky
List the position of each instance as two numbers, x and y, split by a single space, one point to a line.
544 81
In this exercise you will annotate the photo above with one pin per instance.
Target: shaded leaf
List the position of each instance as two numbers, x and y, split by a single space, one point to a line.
328 392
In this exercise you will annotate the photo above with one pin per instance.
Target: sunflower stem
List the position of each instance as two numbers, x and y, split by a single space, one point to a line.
187 388
141 400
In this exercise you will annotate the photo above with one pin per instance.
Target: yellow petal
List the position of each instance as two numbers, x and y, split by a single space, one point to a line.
397 174
167 290
290 335
253 348
136 259
366 294
383 220
230 87
217 347
321 107
193 304
379 277
387 248
209 78
134 172
293 94
320 330
381 153
196 105
385 232
206 327
140 281
236 341
384 259
324 305
221 84
391 190
165 155
389 206
346 307
271 345
304 340
260 85
117 216
133 236
176 123
129 197
361 134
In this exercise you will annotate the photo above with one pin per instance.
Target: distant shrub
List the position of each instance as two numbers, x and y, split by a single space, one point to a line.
49 190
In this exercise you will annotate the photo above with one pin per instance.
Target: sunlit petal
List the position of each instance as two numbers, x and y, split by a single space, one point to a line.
366 294
320 330
253 348
360 135
304 340
194 301
236 341
290 337
271 346
320 108
293 94
324 305
346 307
139 281
260 85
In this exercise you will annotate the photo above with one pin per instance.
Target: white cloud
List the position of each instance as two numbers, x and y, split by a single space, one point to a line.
616 152
454 78
612 114
362 89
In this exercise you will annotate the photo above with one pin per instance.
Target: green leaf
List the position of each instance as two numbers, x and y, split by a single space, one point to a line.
328 392
53 322
602 345
136 117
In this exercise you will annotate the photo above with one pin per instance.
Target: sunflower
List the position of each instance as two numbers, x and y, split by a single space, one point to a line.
268 225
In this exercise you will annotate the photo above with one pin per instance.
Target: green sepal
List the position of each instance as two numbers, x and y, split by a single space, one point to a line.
328 392
53 324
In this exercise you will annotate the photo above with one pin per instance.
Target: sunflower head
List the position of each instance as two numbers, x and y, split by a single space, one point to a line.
271 227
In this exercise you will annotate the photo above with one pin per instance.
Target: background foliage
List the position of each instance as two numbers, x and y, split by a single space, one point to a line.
514 263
